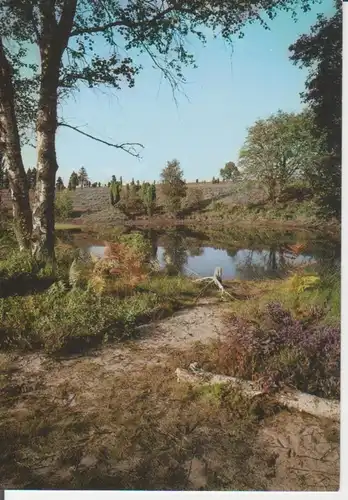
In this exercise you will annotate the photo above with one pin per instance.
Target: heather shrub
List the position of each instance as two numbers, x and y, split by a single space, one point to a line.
131 206
284 351
194 198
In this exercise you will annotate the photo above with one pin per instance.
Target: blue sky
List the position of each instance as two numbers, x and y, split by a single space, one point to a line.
227 93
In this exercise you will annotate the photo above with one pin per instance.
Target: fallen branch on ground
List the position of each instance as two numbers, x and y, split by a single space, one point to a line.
215 279
295 400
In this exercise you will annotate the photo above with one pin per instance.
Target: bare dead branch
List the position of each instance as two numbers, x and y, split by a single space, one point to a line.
216 279
127 23
127 147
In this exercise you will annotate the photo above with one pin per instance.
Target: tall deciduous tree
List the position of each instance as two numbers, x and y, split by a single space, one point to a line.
31 176
65 33
321 52
11 148
278 150
230 171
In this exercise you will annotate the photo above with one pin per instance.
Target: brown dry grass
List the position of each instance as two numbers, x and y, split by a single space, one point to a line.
76 425
79 426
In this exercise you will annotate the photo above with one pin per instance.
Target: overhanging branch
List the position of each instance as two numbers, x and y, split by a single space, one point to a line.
127 23
128 147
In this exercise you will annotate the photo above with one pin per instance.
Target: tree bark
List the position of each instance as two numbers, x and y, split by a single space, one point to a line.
11 148
43 208
53 41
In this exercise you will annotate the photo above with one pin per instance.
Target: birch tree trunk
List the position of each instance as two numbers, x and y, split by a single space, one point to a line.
11 148
43 207
53 41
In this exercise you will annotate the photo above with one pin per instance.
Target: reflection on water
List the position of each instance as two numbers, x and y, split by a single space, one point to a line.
179 253
173 255
97 250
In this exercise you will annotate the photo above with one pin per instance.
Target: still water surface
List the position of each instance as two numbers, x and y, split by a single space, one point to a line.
241 256
244 264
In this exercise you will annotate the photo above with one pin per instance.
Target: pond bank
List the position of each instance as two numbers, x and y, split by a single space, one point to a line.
163 222
242 254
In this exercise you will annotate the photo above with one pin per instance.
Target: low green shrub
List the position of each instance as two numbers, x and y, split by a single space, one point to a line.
62 320
63 205
136 241
18 263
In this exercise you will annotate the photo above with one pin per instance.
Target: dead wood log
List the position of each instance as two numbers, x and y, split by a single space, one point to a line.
215 279
295 400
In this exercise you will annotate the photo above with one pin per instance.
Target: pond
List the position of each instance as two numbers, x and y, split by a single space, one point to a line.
241 255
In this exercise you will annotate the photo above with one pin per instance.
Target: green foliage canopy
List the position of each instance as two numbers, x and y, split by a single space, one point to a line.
278 150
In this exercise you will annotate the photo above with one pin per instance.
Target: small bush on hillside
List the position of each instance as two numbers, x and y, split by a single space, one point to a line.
111 234
219 207
131 206
298 191
194 198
